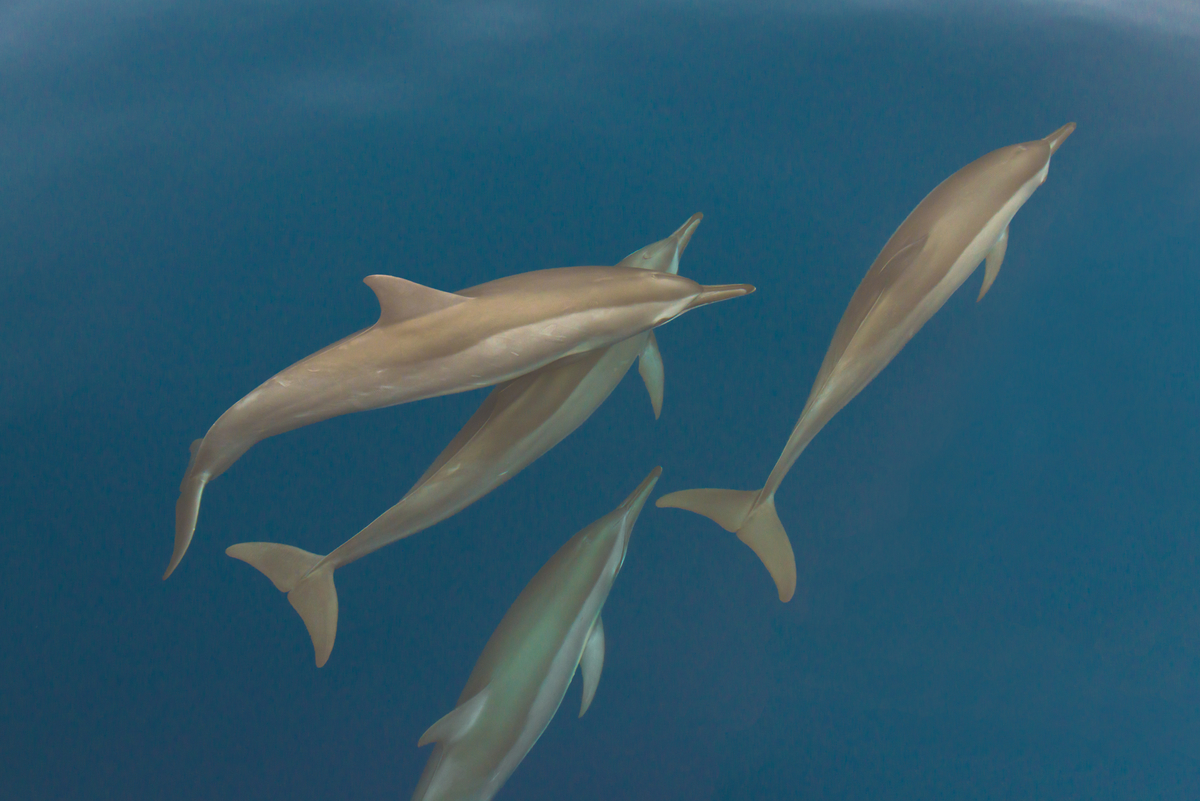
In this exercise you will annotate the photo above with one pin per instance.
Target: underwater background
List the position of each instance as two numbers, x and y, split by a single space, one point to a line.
997 540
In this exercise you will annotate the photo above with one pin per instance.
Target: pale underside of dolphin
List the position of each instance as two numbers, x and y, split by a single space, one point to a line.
517 685
429 343
518 422
961 223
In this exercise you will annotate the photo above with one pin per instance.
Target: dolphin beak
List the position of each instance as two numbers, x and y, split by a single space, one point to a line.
1058 137
683 234
637 499
715 294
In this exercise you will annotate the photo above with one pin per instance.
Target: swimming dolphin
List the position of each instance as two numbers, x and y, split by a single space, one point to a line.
523 673
429 343
518 422
959 224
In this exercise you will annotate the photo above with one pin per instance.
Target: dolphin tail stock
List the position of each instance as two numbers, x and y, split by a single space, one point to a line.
187 510
311 592
755 522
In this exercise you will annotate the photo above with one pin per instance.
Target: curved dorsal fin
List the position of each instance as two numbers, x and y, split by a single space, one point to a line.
403 300
457 722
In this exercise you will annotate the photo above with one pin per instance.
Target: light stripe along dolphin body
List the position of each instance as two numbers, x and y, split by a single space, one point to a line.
429 343
523 673
517 423
961 223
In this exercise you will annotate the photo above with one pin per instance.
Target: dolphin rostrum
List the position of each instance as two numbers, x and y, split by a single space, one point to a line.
961 223
429 343
518 422
523 673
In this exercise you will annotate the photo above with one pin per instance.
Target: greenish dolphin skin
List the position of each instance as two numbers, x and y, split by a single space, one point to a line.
518 422
429 343
962 222
521 677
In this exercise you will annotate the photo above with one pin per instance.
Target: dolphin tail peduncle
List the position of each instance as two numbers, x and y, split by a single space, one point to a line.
753 520
311 592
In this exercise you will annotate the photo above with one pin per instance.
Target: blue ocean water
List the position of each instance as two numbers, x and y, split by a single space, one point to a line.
999 569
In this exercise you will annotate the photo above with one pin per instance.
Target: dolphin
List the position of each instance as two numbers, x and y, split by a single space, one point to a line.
428 343
962 222
523 673
518 422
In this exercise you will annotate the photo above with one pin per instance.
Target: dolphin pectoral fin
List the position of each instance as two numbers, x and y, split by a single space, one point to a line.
592 663
650 368
311 593
457 722
995 257
766 537
718 293
753 520
403 300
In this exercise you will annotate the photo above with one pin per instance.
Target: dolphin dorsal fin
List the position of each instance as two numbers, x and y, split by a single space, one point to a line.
591 662
194 448
401 300
457 722
903 257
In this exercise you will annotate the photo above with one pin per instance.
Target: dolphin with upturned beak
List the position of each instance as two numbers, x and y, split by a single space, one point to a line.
962 222
518 422
429 343
550 631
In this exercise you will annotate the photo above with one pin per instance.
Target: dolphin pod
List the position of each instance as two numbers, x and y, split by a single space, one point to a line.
429 343
518 422
519 682
962 222
556 343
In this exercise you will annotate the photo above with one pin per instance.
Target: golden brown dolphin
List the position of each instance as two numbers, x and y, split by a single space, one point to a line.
429 343
518 422
962 222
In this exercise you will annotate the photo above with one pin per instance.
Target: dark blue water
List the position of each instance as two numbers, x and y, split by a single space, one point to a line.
997 541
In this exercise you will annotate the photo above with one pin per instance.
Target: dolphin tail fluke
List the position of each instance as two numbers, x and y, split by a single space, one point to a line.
187 509
765 535
753 520
311 592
